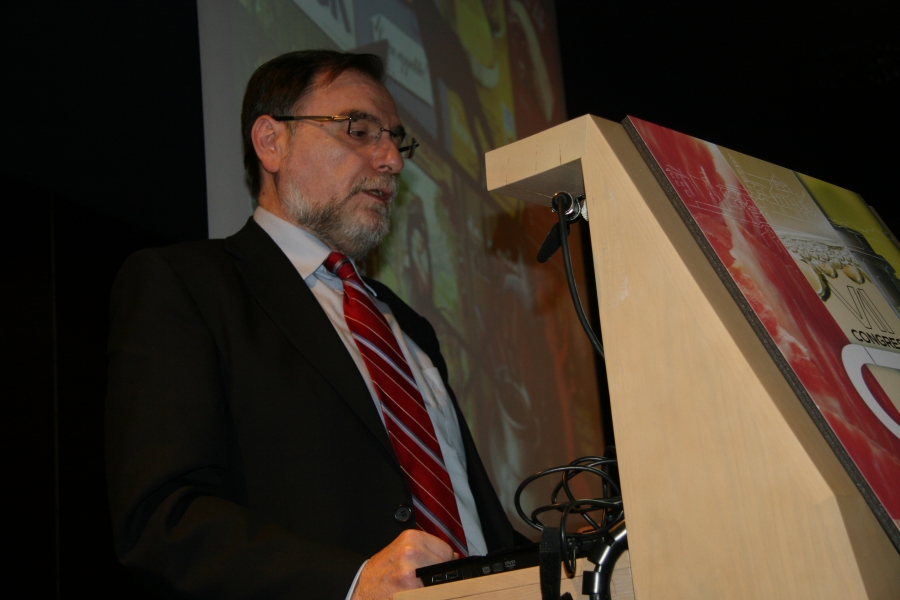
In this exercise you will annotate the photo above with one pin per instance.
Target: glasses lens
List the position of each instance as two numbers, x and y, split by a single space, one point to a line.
368 131
399 138
363 131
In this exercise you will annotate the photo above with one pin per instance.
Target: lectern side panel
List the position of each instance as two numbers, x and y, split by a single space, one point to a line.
730 490
824 305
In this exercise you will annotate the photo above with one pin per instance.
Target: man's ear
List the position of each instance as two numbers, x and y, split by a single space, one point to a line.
270 142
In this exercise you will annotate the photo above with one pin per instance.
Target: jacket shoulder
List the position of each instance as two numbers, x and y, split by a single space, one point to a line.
182 260
201 261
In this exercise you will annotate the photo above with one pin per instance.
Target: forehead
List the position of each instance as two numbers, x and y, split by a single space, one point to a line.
352 91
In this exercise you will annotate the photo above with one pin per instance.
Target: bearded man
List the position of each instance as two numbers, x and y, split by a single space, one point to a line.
276 426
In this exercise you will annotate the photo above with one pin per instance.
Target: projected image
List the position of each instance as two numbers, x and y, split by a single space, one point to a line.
468 76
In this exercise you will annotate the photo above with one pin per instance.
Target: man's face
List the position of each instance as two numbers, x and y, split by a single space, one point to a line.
337 189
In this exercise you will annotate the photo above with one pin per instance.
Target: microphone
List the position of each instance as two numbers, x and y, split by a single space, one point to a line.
551 243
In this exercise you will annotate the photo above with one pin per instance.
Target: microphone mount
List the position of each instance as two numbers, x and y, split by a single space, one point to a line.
572 210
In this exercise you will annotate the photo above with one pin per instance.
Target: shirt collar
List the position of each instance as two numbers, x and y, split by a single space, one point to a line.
305 251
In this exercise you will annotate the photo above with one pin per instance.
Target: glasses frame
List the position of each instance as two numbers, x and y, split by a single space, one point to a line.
409 149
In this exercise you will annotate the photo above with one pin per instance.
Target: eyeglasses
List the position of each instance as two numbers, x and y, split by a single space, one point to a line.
365 131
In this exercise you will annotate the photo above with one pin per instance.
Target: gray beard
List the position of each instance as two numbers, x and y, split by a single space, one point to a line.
341 228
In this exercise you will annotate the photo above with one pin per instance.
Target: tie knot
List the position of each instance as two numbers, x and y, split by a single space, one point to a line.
341 266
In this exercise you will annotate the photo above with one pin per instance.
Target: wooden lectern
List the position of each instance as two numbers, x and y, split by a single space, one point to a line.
730 489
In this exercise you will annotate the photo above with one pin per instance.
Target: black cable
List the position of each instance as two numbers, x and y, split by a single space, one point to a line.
609 505
570 276
613 515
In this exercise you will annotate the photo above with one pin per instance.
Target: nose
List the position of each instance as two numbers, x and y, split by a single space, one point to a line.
387 158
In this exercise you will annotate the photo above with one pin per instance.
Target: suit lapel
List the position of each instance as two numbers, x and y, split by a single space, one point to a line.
285 297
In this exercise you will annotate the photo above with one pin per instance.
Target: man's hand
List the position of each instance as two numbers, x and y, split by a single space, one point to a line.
394 568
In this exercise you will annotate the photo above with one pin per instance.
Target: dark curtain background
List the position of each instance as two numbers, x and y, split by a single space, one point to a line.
103 155
809 85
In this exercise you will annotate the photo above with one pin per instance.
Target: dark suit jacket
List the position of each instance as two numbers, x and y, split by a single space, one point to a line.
245 456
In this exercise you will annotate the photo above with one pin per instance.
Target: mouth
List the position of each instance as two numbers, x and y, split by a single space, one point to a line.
383 189
381 193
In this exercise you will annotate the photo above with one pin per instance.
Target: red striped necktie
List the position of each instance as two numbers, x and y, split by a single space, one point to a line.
405 417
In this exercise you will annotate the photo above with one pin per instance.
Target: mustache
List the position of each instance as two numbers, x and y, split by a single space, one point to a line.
386 182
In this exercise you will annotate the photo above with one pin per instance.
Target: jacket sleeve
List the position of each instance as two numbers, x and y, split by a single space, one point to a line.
180 522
